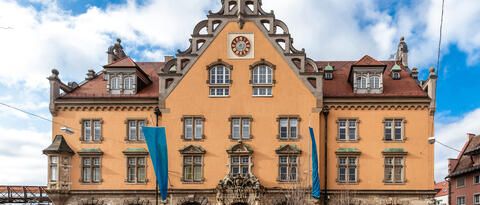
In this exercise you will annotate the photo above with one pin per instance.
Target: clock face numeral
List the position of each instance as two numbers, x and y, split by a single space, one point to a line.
241 46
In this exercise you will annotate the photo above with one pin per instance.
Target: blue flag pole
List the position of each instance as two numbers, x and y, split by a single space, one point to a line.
156 140
315 179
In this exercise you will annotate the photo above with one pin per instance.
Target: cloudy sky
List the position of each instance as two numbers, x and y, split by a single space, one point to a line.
73 35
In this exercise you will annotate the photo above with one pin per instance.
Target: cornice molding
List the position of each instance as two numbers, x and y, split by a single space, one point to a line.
363 106
97 108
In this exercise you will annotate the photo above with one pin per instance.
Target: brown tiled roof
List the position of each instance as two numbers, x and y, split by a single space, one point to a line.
441 188
122 63
465 164
341 87
97 87
367 60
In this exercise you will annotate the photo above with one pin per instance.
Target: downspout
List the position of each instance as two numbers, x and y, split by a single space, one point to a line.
325 112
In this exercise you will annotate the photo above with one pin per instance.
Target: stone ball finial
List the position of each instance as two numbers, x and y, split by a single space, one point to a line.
55 71
402 38
119 40
432 70
415 69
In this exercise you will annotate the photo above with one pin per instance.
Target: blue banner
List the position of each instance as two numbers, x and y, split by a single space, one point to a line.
157 147
315 179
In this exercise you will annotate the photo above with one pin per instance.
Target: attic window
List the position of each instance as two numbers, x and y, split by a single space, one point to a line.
396 75
396 72
328 76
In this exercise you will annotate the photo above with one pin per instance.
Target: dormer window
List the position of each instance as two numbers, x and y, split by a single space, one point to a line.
328 72
366 76
128 83
115 83
396 69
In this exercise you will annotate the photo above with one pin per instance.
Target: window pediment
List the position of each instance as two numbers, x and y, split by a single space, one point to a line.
192 149
240 148
288 149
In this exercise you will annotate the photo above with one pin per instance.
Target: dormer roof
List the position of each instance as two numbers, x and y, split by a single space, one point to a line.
368 61
127 62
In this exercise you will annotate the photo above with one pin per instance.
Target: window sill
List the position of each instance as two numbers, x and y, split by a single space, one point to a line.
136 183
192 182
288 139
193 140
394 141
262 96
90 183
92 142
395 183
135 141
347 141
348 183
287 182
219 96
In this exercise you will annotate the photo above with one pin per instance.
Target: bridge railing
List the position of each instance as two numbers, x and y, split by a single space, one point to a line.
23 194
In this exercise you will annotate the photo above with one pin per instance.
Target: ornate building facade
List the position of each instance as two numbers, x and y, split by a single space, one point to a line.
237 105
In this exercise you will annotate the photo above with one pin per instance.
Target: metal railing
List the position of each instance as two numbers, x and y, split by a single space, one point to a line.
24 195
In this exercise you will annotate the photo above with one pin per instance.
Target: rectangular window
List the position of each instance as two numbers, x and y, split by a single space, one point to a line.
92 130
262 91
240 128
193 128
288 128
53 168
239 165
193 168
476 179
393 130
288 168
136 170
219 91
461 200
394 170
347 130
135 132
460 182
91 170
476 199
347 169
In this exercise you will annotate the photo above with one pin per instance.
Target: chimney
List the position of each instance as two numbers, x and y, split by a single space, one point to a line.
90 75
414 73
54 89
168 58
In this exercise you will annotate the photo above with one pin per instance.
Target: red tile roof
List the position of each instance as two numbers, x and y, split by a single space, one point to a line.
340 86
465 164
122 63
441 188
367 60
97 87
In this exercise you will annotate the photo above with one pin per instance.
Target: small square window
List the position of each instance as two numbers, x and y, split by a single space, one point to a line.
460 182
476 179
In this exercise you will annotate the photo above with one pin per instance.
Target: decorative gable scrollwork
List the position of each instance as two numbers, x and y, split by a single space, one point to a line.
240 11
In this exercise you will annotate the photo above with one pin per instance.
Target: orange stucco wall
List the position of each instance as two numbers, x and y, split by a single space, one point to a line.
419 160
190 97
290 97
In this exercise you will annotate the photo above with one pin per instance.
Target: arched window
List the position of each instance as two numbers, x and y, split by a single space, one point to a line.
219 80
361 82
219 75
128 83
262 74
115 83
262 80
374 82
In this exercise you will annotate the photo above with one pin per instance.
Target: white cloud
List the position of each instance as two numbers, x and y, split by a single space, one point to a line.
452 131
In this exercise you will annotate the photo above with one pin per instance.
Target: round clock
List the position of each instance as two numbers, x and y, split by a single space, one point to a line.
241 46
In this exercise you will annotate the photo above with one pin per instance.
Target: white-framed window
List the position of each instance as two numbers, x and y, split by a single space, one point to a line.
239 165
460 182
476 179
136 169
347 129
375 81
288 168
461 200
54 160
262 80
347 169
135 132
394 169
393 129
476 199
91 169
240 128
361 82
193 128
193 168
92 130
328 75
128 83
288 128
115 83
219 80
